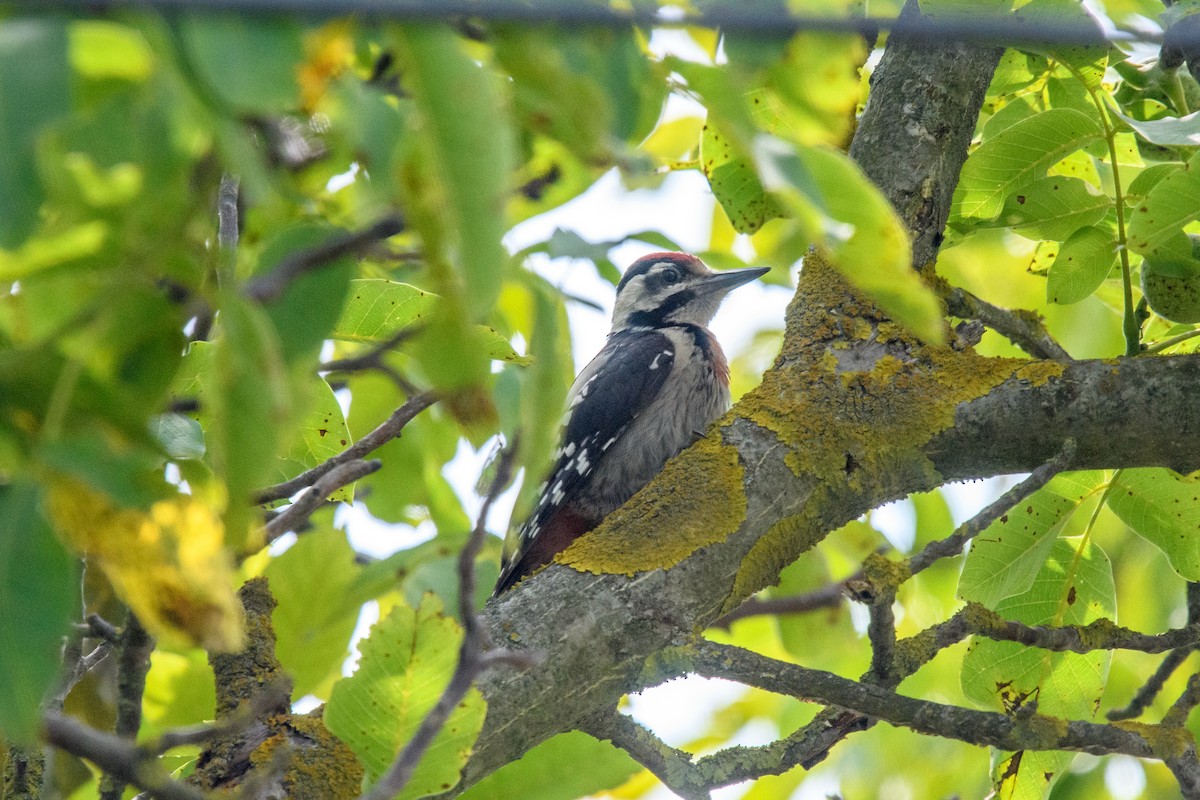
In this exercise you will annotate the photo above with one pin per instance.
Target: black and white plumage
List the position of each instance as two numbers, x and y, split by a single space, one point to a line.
658 382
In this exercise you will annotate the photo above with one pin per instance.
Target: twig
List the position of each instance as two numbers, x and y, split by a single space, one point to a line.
1100 634
116 757
1024 329
472 659
99 627
270 286
374 359
671 766
1178 714
383 434
935 719
1145 695
268 701
828 596
133 662
953 544
295 514
1150 690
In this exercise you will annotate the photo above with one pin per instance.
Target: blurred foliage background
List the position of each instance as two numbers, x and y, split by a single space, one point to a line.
150 386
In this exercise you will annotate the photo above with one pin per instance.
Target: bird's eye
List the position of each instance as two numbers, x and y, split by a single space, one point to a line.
670 275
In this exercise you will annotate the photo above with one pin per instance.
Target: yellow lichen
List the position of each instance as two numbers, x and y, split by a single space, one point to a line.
695 502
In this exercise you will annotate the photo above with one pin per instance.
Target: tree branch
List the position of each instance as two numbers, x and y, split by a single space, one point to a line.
298 512
953 544
117 757
671 766
983 728
271 285
383 434
1022 328
133 662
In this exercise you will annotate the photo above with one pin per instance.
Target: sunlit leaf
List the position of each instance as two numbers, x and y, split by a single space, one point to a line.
1054 208
861 230
1163 507
102 49
735 183
407 660
1005 559
1074 586
1017 156
377 309
321 434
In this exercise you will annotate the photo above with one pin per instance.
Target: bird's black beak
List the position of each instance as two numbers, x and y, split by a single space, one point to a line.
730 279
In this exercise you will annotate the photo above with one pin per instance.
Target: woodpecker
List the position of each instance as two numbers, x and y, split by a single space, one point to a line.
656 385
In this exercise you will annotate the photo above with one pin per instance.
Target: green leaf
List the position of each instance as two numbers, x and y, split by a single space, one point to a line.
313 624
250 407
406 662
1081 265
322 433
866 239
1054 208
248 61
376 309
1163 507
1017 156
1005 559
310 305
1150 177
1172 203
1073 587
601 767
735 184
34 91
466 151
38 592
101 50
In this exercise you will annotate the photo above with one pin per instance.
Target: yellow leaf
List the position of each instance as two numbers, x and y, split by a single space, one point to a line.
168 564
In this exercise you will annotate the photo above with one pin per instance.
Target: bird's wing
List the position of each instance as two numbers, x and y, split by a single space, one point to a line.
619 383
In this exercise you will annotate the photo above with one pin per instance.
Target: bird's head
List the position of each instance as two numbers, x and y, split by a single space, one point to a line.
673 288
